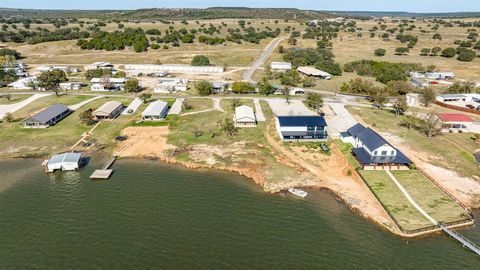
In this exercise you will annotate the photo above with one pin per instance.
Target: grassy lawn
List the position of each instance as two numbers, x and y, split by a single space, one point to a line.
16 141
452 151
14 98
197 104
44 102
428 196
406 216
346 150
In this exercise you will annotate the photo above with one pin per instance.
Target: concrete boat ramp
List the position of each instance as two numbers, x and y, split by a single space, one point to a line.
105 172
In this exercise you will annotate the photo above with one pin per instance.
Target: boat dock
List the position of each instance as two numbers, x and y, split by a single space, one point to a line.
105 172
464 241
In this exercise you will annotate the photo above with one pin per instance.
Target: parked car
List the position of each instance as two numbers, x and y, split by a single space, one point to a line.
470 106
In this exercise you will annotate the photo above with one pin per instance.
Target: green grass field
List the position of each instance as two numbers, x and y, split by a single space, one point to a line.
197 104
428 196
406 216
13 99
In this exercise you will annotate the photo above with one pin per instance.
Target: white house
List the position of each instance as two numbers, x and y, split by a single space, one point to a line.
100 84
171 85
109 110
23 83
187 69
156 110
372 151
71 85
63 162
440 75
244 117
310 71
280 66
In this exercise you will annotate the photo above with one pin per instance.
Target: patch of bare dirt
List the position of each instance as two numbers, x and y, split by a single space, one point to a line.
143 142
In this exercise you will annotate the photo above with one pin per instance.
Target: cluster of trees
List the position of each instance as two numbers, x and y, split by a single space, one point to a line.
204 88
50 80
250 35
321 58
200 60
242 88
211 40
462 87
42 35
7 76
117 40
430 124
382 71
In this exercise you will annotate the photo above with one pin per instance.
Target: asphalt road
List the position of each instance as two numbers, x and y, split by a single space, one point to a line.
247 76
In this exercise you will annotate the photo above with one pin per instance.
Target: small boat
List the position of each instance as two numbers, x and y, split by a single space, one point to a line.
298 192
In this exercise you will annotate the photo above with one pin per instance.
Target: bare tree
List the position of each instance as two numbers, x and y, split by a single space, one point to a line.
431 125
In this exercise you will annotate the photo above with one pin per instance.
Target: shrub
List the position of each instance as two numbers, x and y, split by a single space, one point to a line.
380 52
449 52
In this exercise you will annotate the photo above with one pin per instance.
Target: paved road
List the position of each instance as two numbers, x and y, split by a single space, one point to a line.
261 59
11 108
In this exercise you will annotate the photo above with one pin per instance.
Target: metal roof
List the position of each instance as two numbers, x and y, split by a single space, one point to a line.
313 71
244 111
65 157
366 158
300 121
368 137
49 113
454 117
353 131
108 107
155 108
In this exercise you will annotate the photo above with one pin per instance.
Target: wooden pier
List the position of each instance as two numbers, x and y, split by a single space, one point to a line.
465 242
105 172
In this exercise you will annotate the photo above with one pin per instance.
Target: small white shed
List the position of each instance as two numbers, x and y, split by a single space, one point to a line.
244 117
63 162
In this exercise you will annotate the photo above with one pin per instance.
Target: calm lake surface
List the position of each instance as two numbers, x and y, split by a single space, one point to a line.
155 216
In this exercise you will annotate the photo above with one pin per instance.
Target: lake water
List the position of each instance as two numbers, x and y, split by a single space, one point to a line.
155 216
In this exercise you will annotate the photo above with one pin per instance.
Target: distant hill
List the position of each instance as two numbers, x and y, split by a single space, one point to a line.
407 14
171 14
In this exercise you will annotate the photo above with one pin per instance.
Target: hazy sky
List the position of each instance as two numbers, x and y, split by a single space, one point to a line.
360 5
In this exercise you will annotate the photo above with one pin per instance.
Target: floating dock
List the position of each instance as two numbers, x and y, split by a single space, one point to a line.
105 172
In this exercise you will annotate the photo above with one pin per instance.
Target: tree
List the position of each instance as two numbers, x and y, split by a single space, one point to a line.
50 80
97 73
145 97
242 87
235 103
308 82
427 97
431 125
132 85
314 101
286 94
290 77
409 121
400 106
200 60
380 52
425 51
466 55
395 88
402 50
437 36
449 52
120 74
87 118
265 87
329 66
436 50
461 87
227 126
379 98
204 88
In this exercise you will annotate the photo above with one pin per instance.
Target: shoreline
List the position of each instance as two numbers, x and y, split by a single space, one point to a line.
255 178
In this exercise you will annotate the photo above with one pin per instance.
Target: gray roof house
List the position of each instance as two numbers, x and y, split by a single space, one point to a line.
48 117
109 110
155 111
372 150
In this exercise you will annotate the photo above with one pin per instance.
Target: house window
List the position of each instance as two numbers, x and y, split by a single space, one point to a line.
393 153
384 153
374 153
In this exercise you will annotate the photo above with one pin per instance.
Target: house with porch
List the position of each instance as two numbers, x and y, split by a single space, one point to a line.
455 122
244 117
301 128
372 151
155 111
109 110
48 117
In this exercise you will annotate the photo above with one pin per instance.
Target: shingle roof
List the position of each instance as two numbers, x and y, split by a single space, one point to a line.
49 113
300 121
366 158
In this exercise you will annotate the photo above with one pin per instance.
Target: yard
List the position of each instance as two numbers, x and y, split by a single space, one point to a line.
429 197
13 98
196 105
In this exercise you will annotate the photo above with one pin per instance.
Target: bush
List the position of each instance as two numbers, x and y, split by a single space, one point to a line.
204 88
155 46
466 55
132 85
329 66
200 60
449 52
380 52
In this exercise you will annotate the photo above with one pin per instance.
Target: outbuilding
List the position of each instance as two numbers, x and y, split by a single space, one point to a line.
156 110
48 117
63 162
310 71
109 110
171 85
245 117
108 84
281 66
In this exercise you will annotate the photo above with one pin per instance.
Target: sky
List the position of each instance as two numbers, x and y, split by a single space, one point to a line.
350 5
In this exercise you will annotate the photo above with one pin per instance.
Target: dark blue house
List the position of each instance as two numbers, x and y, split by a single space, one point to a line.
301 128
